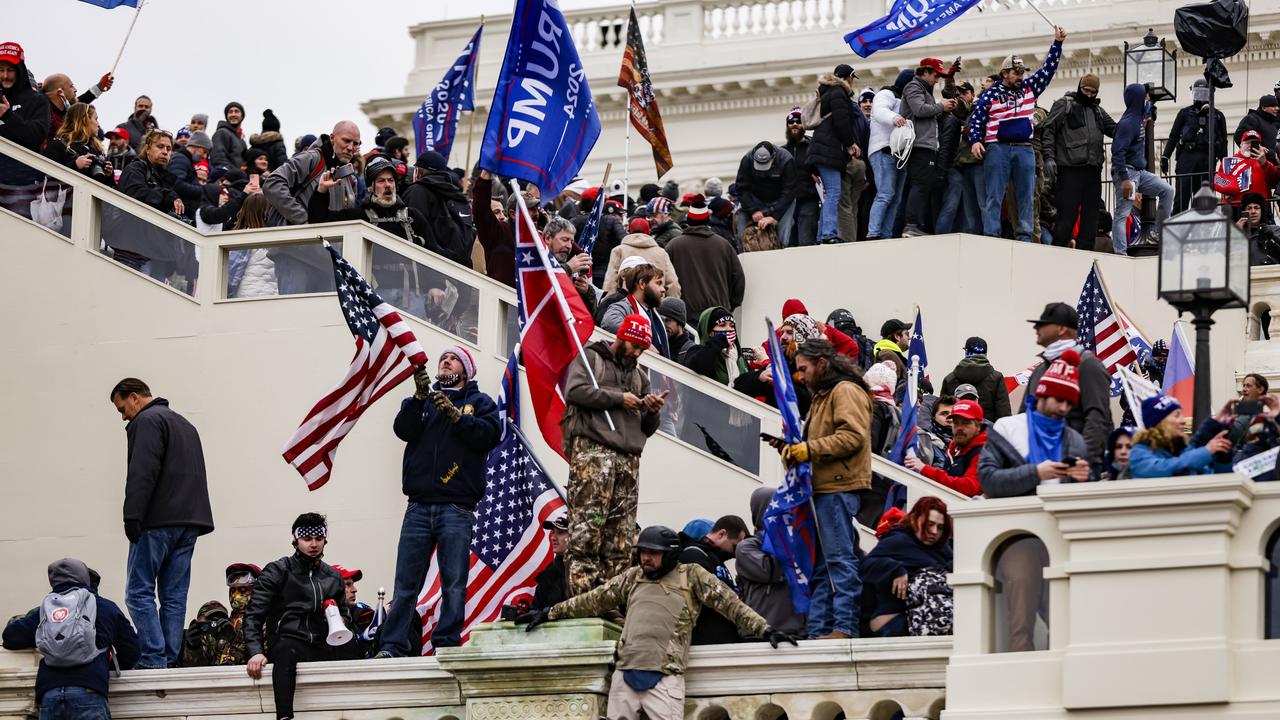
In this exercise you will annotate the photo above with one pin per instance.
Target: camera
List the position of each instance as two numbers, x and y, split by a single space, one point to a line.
97 168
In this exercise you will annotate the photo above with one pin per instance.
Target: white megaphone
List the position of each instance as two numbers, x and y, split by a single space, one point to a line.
338 632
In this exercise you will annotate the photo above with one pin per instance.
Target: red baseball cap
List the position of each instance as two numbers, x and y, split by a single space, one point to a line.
352 575
967 409
1251 135
118 132
11 52
933 64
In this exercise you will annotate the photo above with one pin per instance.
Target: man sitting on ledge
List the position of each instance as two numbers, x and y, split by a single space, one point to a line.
663 598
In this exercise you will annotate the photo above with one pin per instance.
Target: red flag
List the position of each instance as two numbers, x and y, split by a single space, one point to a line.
554 323
634 76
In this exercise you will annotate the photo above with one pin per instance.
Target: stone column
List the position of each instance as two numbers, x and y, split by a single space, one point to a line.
558 672
1148 567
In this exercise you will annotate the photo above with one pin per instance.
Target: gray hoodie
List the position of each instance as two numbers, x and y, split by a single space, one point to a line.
68 572
919 106
764 587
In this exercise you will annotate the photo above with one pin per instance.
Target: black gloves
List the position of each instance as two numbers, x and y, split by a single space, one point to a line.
718 341
445 406
1164 165
774 637
422 383
534 619
133 530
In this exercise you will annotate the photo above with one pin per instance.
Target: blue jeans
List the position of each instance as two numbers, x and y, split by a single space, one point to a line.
445 530
962 202
889 182
74 703
828 221
1151 186
1004 164
160 564
837 588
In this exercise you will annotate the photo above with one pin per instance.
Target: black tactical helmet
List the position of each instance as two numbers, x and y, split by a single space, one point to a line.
658 537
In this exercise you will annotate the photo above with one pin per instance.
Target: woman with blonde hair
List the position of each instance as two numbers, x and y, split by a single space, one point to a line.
77 146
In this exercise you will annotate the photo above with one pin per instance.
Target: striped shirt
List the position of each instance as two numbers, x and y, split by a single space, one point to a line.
1003 114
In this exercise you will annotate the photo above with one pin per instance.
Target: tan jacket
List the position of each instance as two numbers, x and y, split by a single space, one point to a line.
838 432
646 247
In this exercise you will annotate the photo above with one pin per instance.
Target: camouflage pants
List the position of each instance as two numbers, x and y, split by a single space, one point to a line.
603 490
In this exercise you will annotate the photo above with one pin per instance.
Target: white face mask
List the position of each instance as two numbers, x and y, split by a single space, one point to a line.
1200 94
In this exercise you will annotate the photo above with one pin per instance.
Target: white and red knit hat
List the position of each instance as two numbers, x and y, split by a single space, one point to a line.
698 210
1062 379
468 365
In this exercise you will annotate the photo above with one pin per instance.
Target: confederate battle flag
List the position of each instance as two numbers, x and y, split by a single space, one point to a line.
644 106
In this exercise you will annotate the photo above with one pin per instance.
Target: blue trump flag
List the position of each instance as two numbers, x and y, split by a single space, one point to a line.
436 120
111 4
790 530
543 123
907 20
907 440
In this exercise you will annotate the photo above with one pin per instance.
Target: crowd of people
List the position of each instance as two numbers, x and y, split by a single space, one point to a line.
662 274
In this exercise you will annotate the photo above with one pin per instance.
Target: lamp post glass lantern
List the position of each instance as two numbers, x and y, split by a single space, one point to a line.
1204 267
1153 65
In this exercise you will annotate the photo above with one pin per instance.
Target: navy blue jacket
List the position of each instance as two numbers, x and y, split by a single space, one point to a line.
898 552
1129 147
113 631
444 462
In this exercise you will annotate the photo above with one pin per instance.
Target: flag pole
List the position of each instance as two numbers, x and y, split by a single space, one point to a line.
565 312
129 32
626 159
471 122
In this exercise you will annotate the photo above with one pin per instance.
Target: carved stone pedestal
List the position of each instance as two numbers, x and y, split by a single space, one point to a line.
558 672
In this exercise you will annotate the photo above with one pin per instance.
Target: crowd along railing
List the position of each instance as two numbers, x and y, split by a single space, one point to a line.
220 268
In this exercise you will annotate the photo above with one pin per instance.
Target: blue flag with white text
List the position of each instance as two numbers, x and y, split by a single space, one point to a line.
435 123
790 529
907 20
111 4
543 122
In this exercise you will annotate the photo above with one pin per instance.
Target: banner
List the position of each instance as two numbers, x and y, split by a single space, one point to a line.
634 77
543 123
907 20
435 122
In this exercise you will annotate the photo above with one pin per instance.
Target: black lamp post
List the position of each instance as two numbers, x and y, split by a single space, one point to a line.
1204 267
1156 67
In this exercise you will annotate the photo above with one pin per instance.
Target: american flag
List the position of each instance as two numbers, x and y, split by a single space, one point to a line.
790 528
386 353
508 547
1100 328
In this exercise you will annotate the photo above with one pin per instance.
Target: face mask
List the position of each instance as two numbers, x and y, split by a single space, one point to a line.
449 380
240 598
66 104
730 335
1200 95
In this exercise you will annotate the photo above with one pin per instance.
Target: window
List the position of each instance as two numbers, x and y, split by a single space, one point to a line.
1021 595
1271 628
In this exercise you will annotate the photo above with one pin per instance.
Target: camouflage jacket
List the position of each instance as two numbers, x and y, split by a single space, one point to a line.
699 587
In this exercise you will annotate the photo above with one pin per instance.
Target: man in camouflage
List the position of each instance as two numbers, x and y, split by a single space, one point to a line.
216 636
605 427
663 598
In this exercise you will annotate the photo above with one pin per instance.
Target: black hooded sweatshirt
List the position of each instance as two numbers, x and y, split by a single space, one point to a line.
27 120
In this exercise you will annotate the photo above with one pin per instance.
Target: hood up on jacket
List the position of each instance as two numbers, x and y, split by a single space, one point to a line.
760 499
704 333
22 84
639 240
68 573
1135 101
830 80
900 83
973 369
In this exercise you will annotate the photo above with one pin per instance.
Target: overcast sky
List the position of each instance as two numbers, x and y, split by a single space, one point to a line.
189 57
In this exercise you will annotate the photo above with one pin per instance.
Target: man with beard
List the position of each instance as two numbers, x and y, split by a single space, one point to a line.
558 235
1073 137
610 414
958 469
438 196
448 429
664 598
1189 136
24 119
293 592
837 443
396 280
228 140
140 122
805 229
645 287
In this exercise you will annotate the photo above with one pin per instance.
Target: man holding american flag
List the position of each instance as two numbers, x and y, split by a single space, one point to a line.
1058 329
449 427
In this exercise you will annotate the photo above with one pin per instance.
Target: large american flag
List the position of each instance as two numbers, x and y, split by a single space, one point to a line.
1100 328
386 353
508 546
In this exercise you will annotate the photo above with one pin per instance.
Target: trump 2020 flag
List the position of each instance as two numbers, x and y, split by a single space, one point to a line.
907 20
1180 369
543 122
790 529
435 122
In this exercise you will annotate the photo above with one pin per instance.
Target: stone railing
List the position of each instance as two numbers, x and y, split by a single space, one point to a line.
730 18
561 671
1157 593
